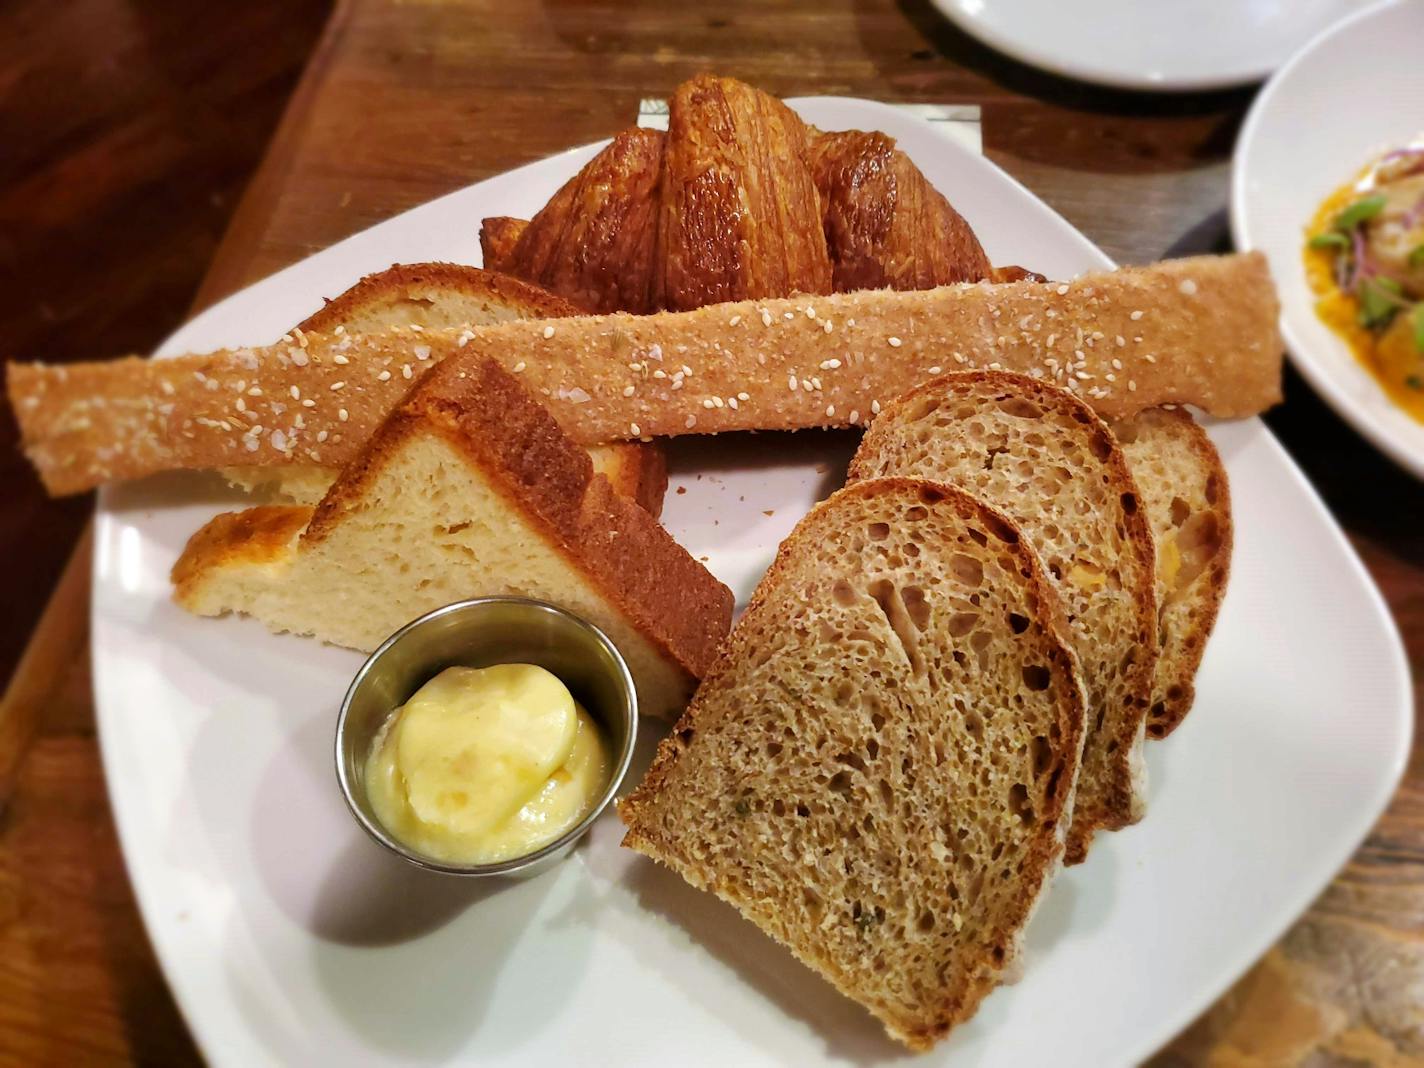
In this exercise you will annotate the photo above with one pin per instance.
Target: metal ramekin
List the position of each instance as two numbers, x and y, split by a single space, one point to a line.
480 633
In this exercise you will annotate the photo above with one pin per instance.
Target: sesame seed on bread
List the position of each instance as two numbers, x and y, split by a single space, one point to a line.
1200 331
423 297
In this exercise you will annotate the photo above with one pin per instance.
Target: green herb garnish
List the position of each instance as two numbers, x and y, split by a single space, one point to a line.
1360 211
1418 322
1330 239
1379 301
1416 257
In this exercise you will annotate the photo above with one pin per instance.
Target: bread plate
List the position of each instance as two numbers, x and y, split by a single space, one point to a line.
1203 44
289 937
1297 146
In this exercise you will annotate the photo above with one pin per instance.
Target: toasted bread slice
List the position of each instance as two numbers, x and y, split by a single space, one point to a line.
443 296
88 423
879 769
1041 456
469 489
1188 500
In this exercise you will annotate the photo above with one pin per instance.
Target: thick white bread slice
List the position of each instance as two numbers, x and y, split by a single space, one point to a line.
1042 457
469 489
1188 500
879 769
416 297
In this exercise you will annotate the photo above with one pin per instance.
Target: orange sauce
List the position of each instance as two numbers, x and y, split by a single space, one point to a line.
1389 357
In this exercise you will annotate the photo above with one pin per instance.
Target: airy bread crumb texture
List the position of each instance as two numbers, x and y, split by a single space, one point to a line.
1188 502
437 510
878 771
1049 463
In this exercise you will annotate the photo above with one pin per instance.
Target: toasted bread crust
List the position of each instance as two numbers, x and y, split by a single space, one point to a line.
259 535
409 279
673 600
84 424
1110 799
1174 688
498 236
637 809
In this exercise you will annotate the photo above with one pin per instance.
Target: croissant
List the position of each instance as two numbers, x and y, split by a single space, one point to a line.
740 201
740 217
886 226
593 242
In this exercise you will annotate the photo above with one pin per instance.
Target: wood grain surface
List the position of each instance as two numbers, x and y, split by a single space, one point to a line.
404 101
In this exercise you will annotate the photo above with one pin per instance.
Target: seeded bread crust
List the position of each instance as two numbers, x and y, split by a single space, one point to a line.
1207 330
1188 500
650 582
440 295
1116 637
721 825
507 297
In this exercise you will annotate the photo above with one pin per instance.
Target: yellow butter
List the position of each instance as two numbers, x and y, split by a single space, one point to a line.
484 764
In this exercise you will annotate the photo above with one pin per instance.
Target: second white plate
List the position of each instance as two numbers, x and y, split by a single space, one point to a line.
289 937
1149 44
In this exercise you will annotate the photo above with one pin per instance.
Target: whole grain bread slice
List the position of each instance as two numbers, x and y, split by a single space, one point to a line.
1041 456
416 297
469 489
879 769
1188 502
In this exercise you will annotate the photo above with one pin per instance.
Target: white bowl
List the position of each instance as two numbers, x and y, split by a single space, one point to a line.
1149 44
1350 95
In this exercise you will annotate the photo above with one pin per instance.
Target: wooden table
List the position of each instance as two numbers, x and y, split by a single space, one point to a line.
404 101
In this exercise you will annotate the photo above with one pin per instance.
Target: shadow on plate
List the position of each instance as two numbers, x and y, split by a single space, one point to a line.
848 1030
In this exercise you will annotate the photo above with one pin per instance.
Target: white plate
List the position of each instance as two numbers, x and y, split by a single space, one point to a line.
1149 44
1354 93
288 936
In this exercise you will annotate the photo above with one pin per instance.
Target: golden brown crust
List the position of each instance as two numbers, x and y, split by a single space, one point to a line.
1175 688
637 471
739 214
498 236
636 809
1110 801
258 534
409 279
593 241
675 601
886 226
1198 331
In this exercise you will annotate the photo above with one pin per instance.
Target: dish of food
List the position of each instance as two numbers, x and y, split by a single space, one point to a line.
1364 257
1205 44
287 932
1355 345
